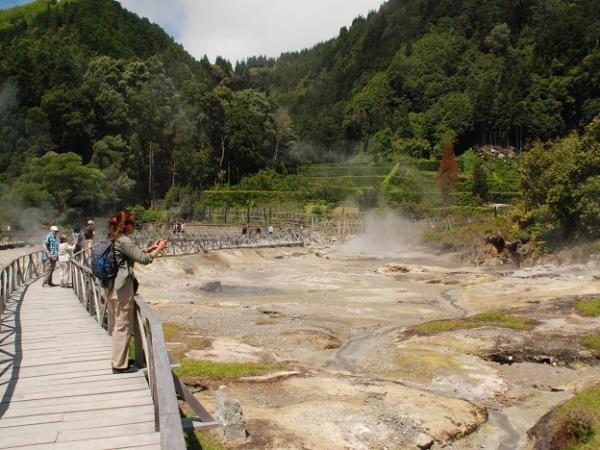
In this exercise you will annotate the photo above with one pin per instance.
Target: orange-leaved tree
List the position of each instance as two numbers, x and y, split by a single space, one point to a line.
448 172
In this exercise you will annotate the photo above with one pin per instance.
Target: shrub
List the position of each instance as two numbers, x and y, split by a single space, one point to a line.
427 165
413 147
577 425
480 184
560 184
143 215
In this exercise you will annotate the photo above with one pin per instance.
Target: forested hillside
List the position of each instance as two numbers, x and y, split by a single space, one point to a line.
100 108
417 72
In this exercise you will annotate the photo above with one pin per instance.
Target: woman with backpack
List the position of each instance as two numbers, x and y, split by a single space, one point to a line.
119 296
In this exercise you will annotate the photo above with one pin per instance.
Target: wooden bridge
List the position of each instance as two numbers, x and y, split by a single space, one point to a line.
189 244
57 390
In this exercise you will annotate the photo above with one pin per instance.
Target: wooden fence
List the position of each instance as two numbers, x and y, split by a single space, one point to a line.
188 244
151 354
17 273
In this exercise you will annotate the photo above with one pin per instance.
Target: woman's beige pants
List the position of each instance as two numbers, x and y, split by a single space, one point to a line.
120 319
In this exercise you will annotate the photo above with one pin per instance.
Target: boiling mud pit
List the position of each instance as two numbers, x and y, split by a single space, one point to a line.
356 373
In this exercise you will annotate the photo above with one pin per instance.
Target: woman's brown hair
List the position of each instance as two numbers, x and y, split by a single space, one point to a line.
120 223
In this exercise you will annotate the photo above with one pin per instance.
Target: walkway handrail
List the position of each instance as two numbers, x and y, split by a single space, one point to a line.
188 244
17 273
150 352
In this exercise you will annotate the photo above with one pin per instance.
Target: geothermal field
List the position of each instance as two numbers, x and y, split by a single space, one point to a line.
360 361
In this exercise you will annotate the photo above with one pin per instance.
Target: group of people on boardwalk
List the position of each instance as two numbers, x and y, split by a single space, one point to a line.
118 294
60 249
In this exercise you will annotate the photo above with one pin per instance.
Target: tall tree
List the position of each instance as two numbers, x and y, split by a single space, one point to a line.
448 172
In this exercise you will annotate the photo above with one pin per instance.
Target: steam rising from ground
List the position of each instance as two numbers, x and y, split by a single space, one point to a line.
387 235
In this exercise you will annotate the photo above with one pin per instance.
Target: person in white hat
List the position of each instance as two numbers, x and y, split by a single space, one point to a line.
89 234
50 248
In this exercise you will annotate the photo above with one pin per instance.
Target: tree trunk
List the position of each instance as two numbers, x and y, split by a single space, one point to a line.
276 153
222 153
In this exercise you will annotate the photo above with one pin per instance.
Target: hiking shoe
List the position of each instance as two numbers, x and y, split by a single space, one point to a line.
130 369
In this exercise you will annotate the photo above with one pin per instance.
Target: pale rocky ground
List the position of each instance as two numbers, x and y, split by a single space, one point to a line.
337 318
10 254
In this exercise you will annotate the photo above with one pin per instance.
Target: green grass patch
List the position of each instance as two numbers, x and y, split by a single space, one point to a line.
173 332
185 340
588 308
131 348
591 341
577 423
201 440
488 319
217 371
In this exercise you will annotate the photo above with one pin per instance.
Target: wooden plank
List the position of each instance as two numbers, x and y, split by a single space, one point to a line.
93 422
79 407
28 439
118 442
28 372
75 347
143 447
45 343
59 335
9 422
41 359
56 331
38 385
69 379
192 401
27 362
42 353
73 389
125 414
106 432
112 393
189 424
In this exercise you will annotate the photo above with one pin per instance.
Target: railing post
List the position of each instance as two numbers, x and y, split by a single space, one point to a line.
137 338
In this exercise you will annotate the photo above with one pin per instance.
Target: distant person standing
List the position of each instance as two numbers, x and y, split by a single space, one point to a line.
77 239
50 254
89 233
65 251
270 230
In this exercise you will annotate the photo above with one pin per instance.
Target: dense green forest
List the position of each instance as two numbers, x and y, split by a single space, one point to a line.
420 71
100 108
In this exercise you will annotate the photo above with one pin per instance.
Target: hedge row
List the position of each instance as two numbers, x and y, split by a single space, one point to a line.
349 180
328 194
336 171
428 165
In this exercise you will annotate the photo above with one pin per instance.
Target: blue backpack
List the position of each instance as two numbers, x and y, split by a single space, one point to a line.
103 262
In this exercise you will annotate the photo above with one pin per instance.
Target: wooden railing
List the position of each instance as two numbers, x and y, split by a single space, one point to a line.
17 273
188 244
150 354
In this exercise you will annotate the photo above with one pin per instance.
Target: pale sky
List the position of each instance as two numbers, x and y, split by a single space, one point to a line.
237 29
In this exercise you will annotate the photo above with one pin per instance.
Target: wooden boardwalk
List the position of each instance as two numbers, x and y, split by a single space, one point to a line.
57 390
